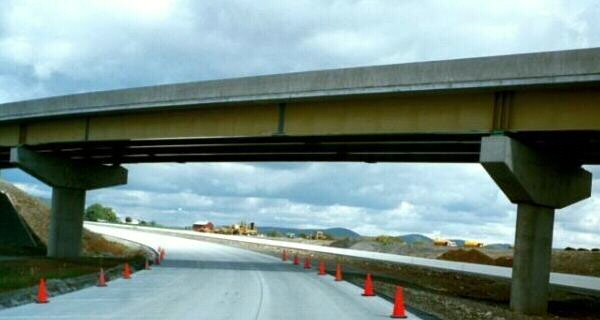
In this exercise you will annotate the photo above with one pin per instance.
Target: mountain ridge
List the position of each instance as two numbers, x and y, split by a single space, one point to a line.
337 232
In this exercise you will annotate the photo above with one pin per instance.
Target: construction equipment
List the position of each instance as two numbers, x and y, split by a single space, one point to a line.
444 243
473 244
242 229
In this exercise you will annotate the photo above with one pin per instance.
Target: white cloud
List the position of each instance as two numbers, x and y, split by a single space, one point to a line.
58 47
35 190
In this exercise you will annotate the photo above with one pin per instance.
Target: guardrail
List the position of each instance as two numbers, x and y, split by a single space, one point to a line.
570 282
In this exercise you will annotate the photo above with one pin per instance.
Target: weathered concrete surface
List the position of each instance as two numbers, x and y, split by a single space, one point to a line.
526 176
13 229
69 181
58 172
538 184
532 254
510 71
66 222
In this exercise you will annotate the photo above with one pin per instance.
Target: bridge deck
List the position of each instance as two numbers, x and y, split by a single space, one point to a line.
417 112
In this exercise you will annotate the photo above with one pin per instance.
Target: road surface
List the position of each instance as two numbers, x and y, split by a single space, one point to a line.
201 280
569 282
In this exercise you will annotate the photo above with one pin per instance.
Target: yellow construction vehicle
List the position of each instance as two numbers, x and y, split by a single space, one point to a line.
473 244
242 229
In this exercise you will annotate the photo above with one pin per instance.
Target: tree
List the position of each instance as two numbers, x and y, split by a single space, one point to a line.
273 234
97 212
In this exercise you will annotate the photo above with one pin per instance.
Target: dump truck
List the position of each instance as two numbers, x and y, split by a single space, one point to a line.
473 244
444 243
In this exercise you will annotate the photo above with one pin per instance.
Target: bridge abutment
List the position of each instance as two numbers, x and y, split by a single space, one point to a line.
538 183
69 181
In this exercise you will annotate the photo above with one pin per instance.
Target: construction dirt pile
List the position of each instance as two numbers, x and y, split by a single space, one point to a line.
443 294
37 216
475 256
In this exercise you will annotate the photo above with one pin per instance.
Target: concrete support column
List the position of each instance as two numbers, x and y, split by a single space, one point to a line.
69 180
531 264
66 222
538 183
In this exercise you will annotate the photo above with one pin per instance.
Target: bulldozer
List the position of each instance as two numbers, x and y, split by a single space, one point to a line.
241 229
246 229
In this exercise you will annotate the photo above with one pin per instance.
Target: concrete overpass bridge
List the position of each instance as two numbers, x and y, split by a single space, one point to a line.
531 120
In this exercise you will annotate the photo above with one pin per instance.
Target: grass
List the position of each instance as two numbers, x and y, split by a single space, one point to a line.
8 250
26 272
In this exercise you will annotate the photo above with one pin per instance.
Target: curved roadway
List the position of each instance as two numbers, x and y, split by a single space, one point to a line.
201 280
570 282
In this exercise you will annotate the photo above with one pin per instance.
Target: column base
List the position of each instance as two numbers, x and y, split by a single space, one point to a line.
531 264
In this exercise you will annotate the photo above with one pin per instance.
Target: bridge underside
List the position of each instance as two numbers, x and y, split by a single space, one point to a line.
576 147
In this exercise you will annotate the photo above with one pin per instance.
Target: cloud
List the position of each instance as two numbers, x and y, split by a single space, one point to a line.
70 46
60 47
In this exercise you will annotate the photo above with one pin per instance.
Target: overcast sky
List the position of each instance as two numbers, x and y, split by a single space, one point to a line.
58 47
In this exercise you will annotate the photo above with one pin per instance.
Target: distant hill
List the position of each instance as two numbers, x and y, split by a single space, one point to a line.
499 246
414 237
334 232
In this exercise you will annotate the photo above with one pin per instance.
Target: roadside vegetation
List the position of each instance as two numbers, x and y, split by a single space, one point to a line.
22 267
99 213
26 272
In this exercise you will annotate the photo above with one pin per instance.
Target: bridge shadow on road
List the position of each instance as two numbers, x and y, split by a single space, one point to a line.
230 265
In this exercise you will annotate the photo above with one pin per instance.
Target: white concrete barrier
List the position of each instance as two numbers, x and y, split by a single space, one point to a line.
575 283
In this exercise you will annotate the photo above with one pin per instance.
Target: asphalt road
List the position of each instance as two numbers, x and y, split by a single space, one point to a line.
201 280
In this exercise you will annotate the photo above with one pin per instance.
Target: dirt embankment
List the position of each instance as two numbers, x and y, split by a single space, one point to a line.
22 267
475 256
37 215
447 295
573 262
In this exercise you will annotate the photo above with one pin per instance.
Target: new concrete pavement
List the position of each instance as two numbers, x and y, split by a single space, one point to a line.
201 280
570 282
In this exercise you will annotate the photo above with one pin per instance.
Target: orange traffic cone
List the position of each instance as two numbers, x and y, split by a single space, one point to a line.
42 296
126 271
296 261
368 287
147 265
322 268
101 279
307 263
399 311
284 255
338 272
